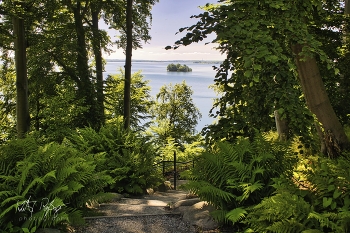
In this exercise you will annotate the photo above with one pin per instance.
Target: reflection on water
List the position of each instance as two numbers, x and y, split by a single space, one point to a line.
199 79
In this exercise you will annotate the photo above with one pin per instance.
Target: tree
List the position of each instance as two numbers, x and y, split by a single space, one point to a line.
64 45
178 67
99 37
175 113
262 39
140 95
128 54
16 14
22 107
133 24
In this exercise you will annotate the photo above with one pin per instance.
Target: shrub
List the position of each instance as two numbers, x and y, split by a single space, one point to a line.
234 177
44 186
319 204
129 158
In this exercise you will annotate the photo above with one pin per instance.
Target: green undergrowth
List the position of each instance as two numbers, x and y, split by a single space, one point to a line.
46 185
127 157
263 185
50 184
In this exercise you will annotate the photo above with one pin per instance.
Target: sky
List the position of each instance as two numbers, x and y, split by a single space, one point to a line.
168 16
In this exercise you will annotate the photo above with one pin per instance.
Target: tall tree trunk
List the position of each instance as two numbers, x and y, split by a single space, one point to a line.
282 126
86 90
318 102
347 7
22 106
128 54
96 43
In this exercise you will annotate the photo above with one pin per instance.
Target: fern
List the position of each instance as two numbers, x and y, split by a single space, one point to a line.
126 157
40 186
321 206
283 212
236 215
235 177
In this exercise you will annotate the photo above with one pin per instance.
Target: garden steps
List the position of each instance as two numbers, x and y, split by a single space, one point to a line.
148 205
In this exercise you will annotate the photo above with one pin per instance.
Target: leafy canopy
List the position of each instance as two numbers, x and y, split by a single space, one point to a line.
175 113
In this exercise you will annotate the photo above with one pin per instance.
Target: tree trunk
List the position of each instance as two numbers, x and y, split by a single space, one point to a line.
318 102
86 90
96 43
22 106
347 7
282 127
128 53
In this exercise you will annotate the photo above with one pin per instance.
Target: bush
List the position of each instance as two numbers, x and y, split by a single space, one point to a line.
44 186
318 204
234 177
129 158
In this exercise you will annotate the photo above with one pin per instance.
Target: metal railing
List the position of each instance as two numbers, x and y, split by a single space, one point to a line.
174 164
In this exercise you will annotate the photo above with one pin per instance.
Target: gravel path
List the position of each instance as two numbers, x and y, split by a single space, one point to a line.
139 224
141 215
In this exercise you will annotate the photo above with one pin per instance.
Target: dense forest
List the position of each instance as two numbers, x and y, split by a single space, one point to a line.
275 160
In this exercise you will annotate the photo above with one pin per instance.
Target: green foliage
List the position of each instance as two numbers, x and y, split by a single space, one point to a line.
184 153
259 74
61 39
175 114
283 212
56 109
234 177
127 157
141 100
8 96
329 181
26 230
43 186
178 68
319 204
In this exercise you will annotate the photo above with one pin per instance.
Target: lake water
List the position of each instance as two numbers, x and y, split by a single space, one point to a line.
199 79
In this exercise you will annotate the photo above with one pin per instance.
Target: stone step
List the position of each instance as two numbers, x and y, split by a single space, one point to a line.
122 209
156 204
144 201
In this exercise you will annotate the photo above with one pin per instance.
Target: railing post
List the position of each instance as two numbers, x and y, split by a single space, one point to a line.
174 170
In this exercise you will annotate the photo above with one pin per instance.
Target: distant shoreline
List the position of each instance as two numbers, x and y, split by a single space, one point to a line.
193 61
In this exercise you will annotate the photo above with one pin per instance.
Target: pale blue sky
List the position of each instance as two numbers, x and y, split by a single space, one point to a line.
168 17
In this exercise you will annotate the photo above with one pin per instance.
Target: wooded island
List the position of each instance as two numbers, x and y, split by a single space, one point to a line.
178 68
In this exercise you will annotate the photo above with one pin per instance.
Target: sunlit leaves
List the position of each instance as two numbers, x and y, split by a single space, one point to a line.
140 96
174 105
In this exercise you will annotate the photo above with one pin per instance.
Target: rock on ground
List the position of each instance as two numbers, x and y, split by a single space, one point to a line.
199 215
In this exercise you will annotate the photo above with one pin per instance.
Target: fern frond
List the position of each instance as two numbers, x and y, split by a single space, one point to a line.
14 206
324 220
25 167
6 193
285 226
219 216
35 181
49 214
236 215
57 190
208 192
12 199
249 188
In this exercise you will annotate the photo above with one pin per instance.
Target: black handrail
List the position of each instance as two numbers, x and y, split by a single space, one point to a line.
163 162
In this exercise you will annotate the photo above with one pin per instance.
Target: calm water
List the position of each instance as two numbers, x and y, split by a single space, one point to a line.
199 79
